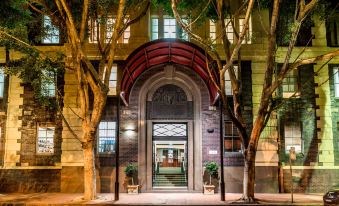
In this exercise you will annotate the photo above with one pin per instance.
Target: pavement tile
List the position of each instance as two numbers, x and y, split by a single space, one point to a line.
51 199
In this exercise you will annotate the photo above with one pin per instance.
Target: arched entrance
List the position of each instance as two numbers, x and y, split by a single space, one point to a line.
168 95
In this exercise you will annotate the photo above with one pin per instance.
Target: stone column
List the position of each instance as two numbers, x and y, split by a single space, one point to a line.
13 123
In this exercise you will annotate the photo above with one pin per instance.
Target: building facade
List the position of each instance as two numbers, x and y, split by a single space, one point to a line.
169 120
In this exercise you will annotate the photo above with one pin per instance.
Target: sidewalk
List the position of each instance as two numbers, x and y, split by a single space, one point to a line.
154 199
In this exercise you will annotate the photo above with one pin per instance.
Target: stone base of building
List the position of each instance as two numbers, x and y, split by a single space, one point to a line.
70 180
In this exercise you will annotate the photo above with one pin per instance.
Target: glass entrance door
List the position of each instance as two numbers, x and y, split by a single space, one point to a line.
170 155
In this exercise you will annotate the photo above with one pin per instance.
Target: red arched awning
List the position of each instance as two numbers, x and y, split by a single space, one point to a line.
166 51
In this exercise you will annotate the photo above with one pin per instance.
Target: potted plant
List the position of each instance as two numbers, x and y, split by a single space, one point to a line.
211 168
131 171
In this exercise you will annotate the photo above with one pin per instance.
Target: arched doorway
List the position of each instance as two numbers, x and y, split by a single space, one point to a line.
169 80
168 66
169 112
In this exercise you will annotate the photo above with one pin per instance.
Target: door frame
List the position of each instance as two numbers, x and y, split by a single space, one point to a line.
190 164
175 139
169 75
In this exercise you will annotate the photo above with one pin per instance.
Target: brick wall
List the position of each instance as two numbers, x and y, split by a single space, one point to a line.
335 116
302 108
34 114
310 180
29 180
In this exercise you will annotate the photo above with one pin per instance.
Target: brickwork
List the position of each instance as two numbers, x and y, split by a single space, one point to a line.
310 180
13 123
3 117
335 115
33 115
303 109
30 180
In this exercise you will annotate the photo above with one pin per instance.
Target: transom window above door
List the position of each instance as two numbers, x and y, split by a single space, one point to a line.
169 130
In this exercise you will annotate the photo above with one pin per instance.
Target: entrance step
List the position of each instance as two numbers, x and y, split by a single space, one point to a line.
169 180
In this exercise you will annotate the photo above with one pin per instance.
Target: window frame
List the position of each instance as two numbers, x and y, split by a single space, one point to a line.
48 37
109 138
95 28
155 31
112 90
335 73
228 82
296 76
233 137
297 124
45 125
2 82
46 91
212 31
159 31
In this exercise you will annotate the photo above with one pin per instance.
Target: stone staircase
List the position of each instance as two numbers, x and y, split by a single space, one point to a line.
170 180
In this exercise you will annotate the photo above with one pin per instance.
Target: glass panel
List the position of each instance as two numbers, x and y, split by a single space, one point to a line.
169 28
167 130
48 83
2 82
51 32
106 139
336 81
45 140
113 80
213 34
229 30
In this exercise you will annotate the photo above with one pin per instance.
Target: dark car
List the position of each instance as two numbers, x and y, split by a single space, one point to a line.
331 197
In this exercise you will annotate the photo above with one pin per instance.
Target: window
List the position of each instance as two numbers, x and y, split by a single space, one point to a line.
126 35
155 28
332 30
170 28
169 130
229 30
248 36
95 26
51 32
290 85
45 140
167 28
48 83
336 81
2 82
228 84
238 25
232 141
106 140
109 29
182 34
213 31
113 81
292 131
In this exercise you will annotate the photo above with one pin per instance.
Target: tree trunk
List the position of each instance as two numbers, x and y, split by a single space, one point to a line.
89 171
249 177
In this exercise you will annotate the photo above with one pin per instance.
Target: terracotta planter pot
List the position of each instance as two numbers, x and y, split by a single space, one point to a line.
209 189
133 189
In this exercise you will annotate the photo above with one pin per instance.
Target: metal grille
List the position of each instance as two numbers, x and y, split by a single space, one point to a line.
169 130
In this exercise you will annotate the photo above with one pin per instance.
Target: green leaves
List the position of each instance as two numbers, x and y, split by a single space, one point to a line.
131 170
212 168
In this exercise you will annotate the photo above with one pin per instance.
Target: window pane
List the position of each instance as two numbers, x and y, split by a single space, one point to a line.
51 32
169 28
113 81
106 139
336 81
167 130
229 30
231 138
45 140
213 34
